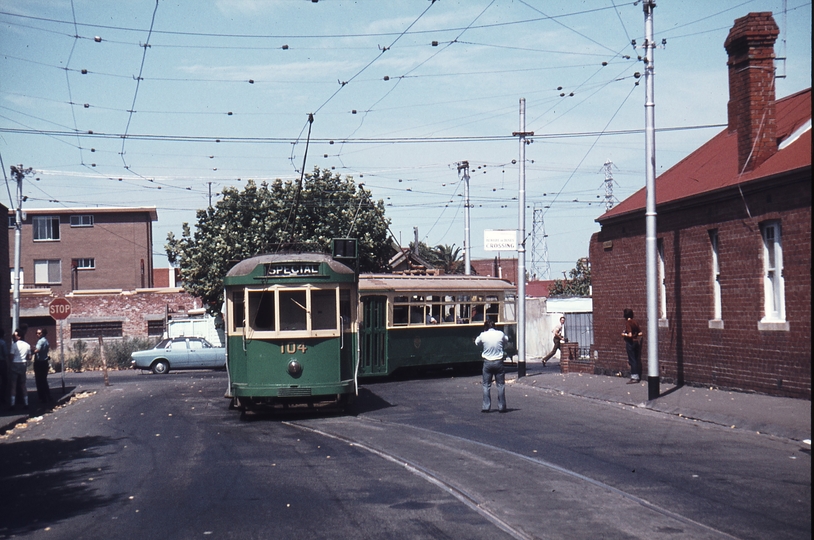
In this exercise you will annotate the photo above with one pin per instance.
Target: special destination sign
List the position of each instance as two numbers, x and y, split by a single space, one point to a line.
292 270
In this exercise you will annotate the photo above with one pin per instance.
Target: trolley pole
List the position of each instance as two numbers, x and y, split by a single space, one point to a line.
521 244
651 233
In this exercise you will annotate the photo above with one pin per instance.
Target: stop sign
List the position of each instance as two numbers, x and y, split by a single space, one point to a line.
59 309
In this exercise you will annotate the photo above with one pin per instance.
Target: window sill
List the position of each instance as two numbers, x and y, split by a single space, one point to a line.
664 323
773 326
716 324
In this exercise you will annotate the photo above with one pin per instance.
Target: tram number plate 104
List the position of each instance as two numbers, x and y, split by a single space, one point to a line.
293 348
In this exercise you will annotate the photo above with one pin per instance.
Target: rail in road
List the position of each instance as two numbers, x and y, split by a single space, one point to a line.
526 497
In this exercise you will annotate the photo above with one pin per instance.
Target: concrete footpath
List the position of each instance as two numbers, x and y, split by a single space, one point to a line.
774 416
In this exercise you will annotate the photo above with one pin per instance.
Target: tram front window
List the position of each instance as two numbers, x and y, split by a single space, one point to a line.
261 310
293 311
323 310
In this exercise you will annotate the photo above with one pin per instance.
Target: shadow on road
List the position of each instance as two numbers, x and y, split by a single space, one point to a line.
48 481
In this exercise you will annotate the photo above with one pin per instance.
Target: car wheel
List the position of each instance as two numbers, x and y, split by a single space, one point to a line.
160 367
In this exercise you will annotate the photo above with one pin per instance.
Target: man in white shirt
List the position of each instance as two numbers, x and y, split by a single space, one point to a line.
493 342
20 353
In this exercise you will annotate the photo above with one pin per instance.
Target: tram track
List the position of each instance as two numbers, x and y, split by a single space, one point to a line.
546 500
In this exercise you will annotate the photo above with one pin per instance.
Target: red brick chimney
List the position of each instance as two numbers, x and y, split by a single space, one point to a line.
751 107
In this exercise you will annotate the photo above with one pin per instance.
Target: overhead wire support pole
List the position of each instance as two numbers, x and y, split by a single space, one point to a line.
651 234
464 166
521 244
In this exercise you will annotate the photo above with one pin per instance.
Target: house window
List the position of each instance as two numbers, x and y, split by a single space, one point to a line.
83 264
774 302
716 275
96 330
22 276
155 328
47 272
662 282
46 227
12 222
85 220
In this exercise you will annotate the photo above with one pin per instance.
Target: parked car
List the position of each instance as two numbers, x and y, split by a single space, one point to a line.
180 353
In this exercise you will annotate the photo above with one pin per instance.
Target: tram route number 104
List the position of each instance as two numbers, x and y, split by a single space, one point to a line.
292 348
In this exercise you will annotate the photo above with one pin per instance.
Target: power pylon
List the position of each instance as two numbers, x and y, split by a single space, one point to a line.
540 268
609 198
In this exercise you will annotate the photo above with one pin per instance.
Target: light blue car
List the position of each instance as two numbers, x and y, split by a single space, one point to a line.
180 353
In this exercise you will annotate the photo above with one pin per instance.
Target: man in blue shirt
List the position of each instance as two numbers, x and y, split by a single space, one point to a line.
493 342
41 358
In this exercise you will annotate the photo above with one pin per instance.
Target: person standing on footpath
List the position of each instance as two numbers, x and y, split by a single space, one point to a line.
20 353
558 337
493 342
41 359
633 345
4 367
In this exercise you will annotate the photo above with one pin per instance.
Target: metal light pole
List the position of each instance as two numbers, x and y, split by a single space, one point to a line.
651 238
464 166
521 245
18 227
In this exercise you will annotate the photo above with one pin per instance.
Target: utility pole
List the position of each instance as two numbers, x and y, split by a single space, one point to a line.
521 245
651 233
464 166
19 173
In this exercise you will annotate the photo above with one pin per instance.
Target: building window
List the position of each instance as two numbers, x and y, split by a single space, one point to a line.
96 330
22 277
716 275
155 328
774 301
83 264
46 227
662 282
47 272
12 222
85 220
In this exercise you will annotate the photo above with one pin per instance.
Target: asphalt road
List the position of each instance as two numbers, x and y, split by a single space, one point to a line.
163 457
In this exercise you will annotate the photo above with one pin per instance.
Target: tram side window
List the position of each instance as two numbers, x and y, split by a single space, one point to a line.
323 309
238 310
293 314
400 311
261 310
345 308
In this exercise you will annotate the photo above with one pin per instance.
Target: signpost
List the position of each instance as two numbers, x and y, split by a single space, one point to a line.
60 309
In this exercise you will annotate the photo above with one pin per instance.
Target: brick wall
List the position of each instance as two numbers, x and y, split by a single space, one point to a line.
690 350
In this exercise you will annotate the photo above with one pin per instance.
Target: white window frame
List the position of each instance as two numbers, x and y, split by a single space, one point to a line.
47 272
774 298
84 263
715 266
662 276
44 229
82 220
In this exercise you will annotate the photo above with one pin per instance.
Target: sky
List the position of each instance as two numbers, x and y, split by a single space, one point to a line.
165 104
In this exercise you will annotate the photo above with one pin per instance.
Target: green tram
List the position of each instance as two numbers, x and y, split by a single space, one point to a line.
304 328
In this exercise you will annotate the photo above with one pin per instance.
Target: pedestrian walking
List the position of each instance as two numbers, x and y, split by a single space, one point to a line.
41 360
558 338
4 367
493 342
633 346
20 354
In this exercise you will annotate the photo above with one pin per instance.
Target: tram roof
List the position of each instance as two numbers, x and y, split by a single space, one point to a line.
440 284
247 266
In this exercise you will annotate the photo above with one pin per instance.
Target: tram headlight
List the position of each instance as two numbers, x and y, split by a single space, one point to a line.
294 368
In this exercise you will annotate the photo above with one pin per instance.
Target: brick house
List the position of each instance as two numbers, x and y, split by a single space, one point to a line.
101 260
734 243
67 249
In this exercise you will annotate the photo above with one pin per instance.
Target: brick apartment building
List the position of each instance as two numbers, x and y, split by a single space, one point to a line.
101 260
734 243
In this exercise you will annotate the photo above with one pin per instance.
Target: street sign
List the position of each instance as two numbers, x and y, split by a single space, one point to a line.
59 309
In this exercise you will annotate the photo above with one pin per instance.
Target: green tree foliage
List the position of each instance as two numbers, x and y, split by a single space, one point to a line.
277 217
443 256
577 284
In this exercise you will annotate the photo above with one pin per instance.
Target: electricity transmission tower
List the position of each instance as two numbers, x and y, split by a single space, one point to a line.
540 268
609 199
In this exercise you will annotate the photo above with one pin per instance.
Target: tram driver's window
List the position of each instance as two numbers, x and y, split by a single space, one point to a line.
238 310
261 310
323 309
293 311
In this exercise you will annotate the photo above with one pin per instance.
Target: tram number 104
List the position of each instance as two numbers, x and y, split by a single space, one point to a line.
292 348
